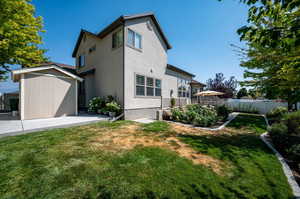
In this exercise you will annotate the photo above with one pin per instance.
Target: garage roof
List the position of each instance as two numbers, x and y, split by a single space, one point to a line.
16 73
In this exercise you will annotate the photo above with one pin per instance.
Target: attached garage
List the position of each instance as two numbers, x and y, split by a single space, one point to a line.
47 91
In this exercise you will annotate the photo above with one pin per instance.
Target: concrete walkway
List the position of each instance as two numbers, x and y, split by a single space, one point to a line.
11 126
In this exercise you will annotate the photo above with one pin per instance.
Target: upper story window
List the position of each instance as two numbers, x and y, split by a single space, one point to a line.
92 49
81 61
147 86
117 39
134 39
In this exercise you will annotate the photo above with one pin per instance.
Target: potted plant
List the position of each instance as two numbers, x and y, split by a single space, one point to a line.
113 108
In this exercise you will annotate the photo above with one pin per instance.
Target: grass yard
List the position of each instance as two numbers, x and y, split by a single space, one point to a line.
129 160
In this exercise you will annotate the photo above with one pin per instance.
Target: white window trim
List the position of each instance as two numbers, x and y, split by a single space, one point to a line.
145 87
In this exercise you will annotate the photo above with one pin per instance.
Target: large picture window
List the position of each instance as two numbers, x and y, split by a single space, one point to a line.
134 39
147 86
117 39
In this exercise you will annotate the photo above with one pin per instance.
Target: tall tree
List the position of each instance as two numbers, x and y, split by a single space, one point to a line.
242 93
219 83
19 35
272 59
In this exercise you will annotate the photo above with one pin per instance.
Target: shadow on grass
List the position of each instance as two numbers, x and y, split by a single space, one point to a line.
253 167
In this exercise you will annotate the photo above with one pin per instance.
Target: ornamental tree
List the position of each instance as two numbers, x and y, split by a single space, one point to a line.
19 36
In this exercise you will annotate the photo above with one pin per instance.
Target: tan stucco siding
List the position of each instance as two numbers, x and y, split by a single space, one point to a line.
150 61
48 96
108 65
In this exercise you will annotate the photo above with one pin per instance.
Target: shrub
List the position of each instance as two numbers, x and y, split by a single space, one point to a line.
223 111
294 152
173 102
96 104
276 114
113 107
195 114
292 120
176 114
279 135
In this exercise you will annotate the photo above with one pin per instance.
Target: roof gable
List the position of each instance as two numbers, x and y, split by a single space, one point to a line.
17 73
179 70
118 22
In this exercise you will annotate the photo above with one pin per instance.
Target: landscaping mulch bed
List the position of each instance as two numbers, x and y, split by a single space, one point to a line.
294 165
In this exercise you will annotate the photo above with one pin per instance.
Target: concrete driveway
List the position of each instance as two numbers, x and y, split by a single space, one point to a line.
13 126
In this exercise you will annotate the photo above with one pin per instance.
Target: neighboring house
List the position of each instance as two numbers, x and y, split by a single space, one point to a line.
196 88
6 100
47 91
128 59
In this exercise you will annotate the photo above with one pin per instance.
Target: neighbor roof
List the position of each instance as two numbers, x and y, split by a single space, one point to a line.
119 21
16 73
58 64
198 83
179 70
67 67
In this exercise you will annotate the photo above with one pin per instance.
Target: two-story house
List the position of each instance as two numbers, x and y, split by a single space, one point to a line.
129 60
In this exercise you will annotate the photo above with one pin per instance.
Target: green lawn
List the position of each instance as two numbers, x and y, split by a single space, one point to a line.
64 163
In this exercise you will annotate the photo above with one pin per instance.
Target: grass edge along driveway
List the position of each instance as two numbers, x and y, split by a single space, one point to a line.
84 162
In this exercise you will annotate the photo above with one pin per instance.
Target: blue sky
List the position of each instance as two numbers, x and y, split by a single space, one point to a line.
200 31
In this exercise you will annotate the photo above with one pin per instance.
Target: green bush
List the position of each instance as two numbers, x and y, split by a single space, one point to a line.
294 152
195 114
223 111
292 121
173 102
96 104
177 114
278 129
113 107
276 114
279 135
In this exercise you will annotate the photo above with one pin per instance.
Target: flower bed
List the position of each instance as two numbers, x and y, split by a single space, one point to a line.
203 116
105 105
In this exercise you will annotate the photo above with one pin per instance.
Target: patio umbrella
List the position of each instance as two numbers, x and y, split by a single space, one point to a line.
209 93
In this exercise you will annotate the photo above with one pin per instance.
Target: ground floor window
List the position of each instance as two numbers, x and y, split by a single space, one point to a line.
183 91
147 86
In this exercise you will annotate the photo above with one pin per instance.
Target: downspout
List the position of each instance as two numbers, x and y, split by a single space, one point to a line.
124 69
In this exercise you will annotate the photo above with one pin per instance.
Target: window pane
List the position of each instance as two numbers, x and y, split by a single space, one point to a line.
119 38
140 80
140 90
158 92
114 40
81 60
150 82
179 93
158 83
138 41
130 37
150 91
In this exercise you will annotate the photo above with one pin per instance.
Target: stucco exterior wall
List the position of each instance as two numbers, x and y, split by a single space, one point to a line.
150 61
48 96
108 65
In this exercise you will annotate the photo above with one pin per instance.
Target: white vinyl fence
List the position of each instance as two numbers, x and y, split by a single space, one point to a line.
262 106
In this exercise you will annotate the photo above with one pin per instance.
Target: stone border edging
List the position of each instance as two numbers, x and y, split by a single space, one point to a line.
285 167
234 114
